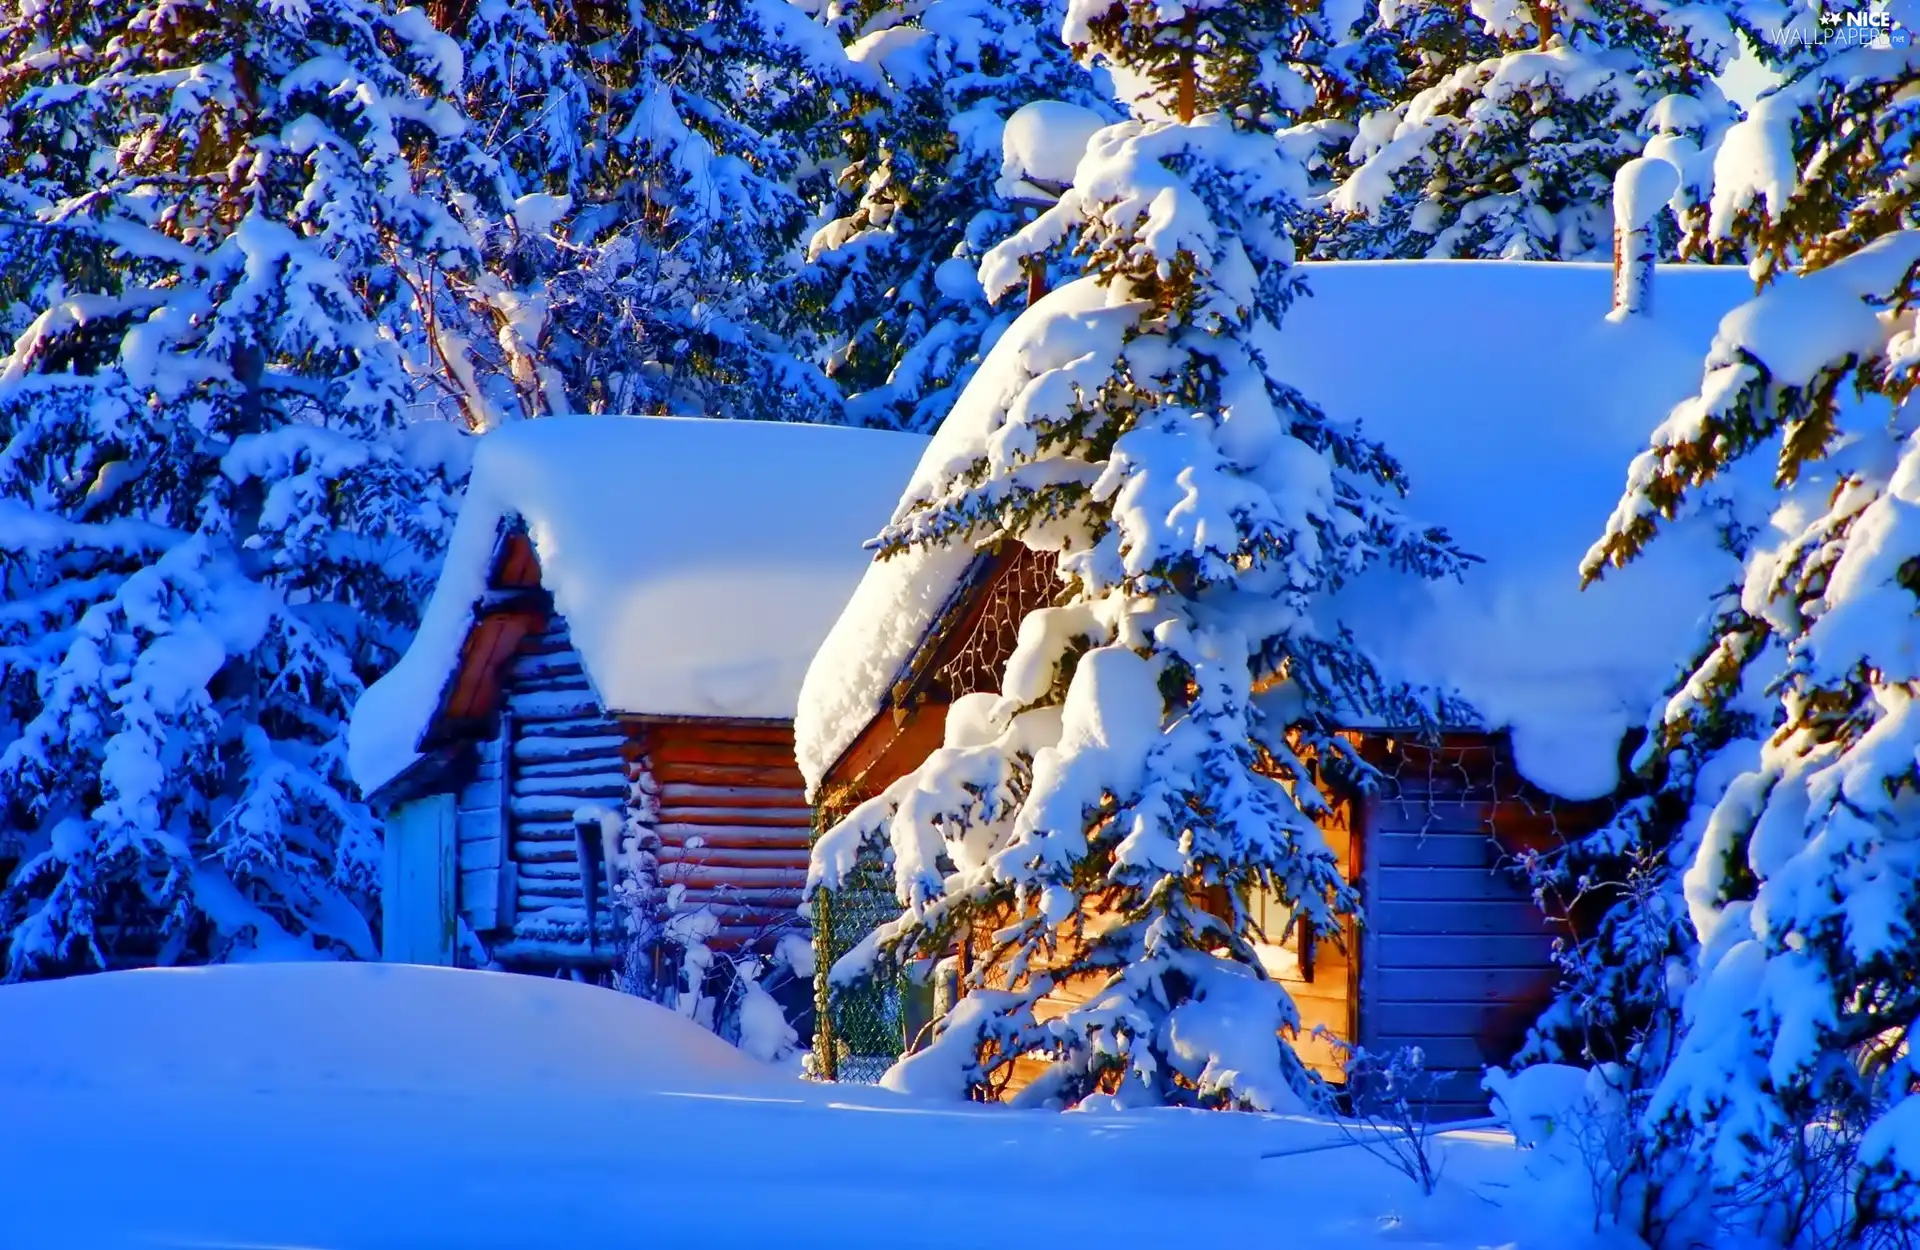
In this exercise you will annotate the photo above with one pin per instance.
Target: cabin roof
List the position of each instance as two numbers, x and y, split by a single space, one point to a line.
698 563
1515 406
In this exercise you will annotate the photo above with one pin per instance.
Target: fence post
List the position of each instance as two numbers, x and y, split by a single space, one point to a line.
824 1062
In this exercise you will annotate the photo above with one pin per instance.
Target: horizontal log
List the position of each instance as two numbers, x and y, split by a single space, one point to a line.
763 899
680 794
534 708
530 852
549 684
533 743
530 952
740 912
737 857
576 765
785 841
697 875
671 732
557 915
533 896
731 753
741 817
668 772
544 650
601 786
673 834
551 870
555 829
560 807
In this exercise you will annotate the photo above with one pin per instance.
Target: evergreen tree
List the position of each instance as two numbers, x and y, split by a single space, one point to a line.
1622 981
891 279
654 159
1804 893
214 513
1505 126
1105 816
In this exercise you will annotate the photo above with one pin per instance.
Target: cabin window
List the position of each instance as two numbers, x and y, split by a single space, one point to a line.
1029 580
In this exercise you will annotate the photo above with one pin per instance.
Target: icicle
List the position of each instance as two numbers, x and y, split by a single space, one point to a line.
596 847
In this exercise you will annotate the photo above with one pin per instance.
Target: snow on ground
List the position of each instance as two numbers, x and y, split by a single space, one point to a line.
354 1105
697 562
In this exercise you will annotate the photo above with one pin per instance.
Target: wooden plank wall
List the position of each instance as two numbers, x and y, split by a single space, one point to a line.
565 754
486 870
734 824
417 882
1326 1002
1456 954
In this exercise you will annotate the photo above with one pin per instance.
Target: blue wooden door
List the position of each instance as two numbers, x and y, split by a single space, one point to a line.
417 884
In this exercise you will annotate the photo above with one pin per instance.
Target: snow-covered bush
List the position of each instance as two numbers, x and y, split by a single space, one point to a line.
215 521
1101 818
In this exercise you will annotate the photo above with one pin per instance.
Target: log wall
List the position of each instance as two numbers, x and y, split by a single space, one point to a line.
565 754
734 824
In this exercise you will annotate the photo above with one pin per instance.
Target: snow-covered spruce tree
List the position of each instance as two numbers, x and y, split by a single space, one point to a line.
654 160
216 521
1622 981
1103 817
1805 892
1508 123
891 280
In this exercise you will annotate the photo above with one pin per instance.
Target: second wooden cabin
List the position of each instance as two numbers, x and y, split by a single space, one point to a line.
1521 455
596 714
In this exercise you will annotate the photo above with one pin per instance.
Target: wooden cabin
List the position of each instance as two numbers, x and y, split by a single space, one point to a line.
1543 682
595 719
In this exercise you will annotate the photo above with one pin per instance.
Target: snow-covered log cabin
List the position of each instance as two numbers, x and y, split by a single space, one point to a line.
597 709
1515 403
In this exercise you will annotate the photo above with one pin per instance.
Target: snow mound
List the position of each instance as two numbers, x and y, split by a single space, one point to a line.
698 563
1044 141
350 1028
1515 407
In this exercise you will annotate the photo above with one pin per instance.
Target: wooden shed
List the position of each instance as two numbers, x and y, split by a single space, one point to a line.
595 720
1454 956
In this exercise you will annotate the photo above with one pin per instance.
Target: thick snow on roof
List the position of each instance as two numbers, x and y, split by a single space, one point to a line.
1515 407
698 563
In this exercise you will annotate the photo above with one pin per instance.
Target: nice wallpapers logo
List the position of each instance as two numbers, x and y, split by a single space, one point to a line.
1861 28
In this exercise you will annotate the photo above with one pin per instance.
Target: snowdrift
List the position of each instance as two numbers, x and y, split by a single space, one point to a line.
350 1027
354 1107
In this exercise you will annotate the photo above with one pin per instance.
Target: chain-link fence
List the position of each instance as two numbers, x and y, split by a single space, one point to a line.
859 1029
